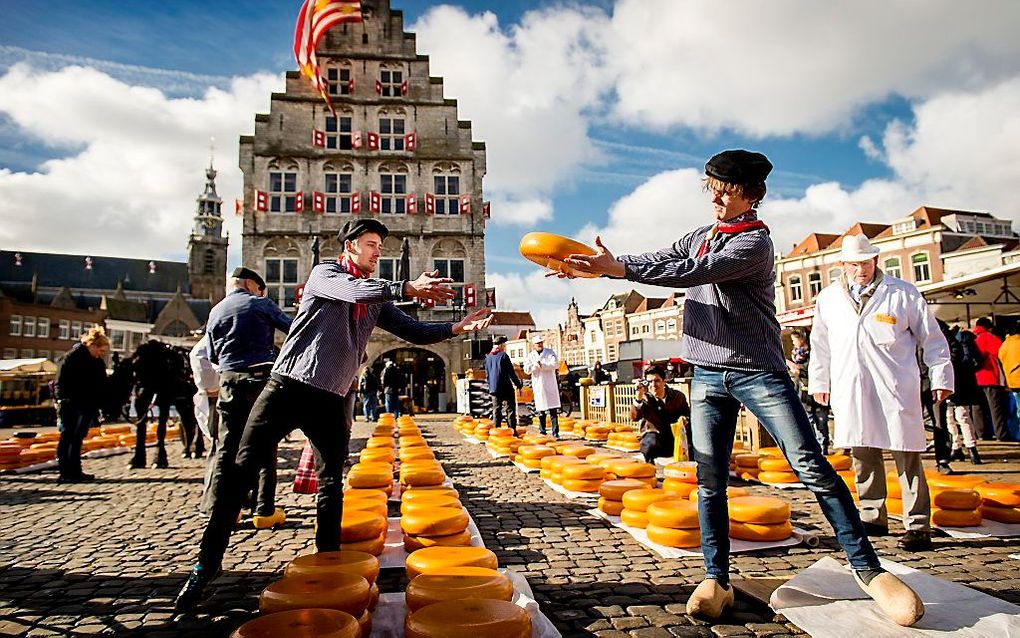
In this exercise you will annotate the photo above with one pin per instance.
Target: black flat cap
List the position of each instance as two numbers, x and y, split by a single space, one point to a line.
247 273
498 340
358 227
739 167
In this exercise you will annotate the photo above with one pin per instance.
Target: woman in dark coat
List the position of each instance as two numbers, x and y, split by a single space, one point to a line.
80 393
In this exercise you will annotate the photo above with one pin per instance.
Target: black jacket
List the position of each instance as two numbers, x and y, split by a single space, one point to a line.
392 379
81 379
966 359
499 372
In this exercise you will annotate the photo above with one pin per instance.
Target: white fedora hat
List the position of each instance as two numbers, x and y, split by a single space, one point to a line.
857 248
538 339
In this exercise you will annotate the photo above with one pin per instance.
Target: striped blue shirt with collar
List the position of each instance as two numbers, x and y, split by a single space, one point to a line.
729 309
326 345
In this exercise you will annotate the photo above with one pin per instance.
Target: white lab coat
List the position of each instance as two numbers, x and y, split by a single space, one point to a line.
542 367
868 364
207 380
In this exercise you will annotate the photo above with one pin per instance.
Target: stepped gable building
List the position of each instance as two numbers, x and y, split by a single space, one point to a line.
395 150
50 298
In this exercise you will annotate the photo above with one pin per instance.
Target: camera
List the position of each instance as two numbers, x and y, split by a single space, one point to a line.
641 383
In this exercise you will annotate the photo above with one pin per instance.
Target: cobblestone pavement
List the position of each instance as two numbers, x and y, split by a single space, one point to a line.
108 557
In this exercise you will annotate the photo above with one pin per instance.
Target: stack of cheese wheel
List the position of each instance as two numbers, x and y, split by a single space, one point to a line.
555 465
636 502
481 431
1000 501
673 523
731 492
457 583
343 591
375 475
424 560
597 432
759 518
532 438
469 618
366 500
302 623
632 468
624 441
502 441
363 530
464 424
433 520
328 563
421 473
532 455
46 451
582 477
28 457
746 465
10 456
559 446
603 457
775 469
578 450
738 448
956 508
680 478
567 424
611 494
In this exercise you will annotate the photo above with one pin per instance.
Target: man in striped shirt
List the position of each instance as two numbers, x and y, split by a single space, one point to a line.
312 384
731 336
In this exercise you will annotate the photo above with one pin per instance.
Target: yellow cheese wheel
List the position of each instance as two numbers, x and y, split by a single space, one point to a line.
678 487
438 521
416 477
373 546
774 464
675 513
373 597
416 454
528 462
548 461
639 500
425 560
579 451
377 455
367 479
535 451
956 500
731 492
581 485
365 624
501 433
952 481
766 510
686 471
361 526
427 491
777 477
614 464
611 507
325 563
537 439
469 618
546 474
365 494
671 537
771 451
748 474
761 532
457 583
894 506
341 591
583 471
892 488
839 462
301 623
420 464
413 543
634 519
1000 514
746 460
955 518
366 505
999 494
379 441
561 462
632 470
412 440
372 466
440 499
615 489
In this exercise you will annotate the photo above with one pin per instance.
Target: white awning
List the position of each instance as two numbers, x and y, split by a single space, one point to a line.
963 299
26 366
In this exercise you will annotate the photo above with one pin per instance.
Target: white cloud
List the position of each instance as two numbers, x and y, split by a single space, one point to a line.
508 210
128 185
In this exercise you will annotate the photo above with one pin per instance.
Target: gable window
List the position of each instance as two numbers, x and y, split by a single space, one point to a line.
391 82
814 283
447 192
15 329
922 268
282 192
892 268
338 133
282 281
338 189
796 290
391 134
454 269
394 193
338 81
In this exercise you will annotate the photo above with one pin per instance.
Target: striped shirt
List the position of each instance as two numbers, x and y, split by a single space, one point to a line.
326 345
729 310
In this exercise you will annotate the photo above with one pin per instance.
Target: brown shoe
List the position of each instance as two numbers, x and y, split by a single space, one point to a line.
894 597
710 599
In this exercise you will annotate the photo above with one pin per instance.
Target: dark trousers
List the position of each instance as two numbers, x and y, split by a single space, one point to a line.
74 424
143 401
504 405
370 406
990 415
940 427
818 414
325 418
392 400
655 445
554 416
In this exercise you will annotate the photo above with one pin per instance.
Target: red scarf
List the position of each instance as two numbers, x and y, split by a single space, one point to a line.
749 221
359 310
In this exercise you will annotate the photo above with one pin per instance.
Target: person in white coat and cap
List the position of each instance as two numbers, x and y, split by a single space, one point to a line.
542 364
867 329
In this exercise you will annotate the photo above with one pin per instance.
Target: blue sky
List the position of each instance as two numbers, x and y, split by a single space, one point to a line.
847 125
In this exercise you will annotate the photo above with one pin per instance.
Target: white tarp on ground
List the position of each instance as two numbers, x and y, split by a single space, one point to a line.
568 493
825 601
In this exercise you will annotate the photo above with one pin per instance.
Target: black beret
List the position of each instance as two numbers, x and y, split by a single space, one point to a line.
247 273
358 227
499 340
739 167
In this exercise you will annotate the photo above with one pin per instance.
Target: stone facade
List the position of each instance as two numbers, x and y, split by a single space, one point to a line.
207 247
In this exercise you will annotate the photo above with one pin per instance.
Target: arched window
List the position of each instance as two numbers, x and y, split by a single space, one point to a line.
922 268
814 283
892 267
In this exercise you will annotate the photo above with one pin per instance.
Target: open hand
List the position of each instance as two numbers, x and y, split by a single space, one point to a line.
601 263
477 320
429 285
821 398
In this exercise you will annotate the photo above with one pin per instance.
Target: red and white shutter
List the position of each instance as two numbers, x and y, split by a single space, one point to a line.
261 201
299 202
374 202
430 204
373 141
350 86
470 296
412 204
403 88
356 139
465 204
318 202
355 202
319 138
410 141
238 208
378 87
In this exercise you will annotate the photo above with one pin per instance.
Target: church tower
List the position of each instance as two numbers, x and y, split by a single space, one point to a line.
207 247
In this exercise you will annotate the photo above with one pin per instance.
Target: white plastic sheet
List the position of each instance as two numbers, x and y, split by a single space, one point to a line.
569 493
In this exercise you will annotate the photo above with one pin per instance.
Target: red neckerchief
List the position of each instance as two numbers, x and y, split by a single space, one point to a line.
742 223
359 310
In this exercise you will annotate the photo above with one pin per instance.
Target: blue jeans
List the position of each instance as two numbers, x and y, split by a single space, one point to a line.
370 406
716 397
392 403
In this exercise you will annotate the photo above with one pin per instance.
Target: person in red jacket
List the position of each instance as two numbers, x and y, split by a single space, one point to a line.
992 383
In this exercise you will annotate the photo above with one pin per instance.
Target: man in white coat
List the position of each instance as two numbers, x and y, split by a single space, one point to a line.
542 364
867 329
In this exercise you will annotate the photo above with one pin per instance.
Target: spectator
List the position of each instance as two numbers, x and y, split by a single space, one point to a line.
80 389
393 385
991 412
657 407
598 374
800 357
1009 356
965 356
368 388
